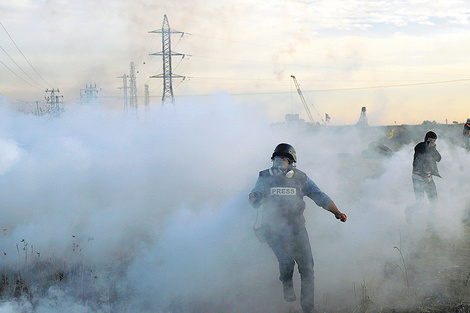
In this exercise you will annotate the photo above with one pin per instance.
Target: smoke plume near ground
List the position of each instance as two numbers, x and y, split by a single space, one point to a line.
119 213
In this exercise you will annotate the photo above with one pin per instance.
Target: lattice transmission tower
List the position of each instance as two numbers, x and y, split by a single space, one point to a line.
133 88
166 53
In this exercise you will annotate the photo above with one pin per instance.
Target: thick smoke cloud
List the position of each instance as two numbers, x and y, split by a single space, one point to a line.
107 212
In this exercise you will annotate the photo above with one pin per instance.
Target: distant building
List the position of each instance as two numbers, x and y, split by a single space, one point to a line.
363 118
291 118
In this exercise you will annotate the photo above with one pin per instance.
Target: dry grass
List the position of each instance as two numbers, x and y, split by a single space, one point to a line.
433 277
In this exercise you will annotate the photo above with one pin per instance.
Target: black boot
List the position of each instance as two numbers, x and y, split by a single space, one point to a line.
289 293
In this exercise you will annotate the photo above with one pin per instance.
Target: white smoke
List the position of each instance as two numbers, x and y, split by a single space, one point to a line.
150 214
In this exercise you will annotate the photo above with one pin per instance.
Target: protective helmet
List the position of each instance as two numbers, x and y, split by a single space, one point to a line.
285 150
468 120
430 134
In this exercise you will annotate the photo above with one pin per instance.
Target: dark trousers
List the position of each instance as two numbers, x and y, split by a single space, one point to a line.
427 187
291 245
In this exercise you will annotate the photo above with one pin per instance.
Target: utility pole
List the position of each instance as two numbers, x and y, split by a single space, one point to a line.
54 101
129 87
124 88
89 95
166 53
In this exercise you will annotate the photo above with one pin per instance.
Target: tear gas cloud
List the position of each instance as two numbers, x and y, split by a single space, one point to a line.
150 214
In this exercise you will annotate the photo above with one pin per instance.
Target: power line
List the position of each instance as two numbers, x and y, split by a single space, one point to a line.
318 90
21 68
245 81
311 66
340 89
24 55
17 75
395 86
310 52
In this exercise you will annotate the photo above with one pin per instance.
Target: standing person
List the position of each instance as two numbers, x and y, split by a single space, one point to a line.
280 190
466 134
424 168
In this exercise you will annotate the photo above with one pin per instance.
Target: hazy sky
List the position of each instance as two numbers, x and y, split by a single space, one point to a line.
406 61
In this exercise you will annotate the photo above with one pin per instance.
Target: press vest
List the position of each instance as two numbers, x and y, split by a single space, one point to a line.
284 195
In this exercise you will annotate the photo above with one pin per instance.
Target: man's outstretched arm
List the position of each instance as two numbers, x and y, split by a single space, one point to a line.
331 206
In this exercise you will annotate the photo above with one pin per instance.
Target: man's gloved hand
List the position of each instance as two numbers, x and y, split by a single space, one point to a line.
255 199
341 216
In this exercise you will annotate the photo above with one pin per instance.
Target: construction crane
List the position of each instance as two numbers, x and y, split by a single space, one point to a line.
303 99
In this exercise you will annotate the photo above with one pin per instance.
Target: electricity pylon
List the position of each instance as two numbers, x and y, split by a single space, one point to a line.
166 53
133 88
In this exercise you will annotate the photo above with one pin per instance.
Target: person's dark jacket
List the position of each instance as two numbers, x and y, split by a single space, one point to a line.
424 160
466 130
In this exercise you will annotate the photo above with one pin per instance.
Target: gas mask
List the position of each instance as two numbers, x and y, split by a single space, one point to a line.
281 165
